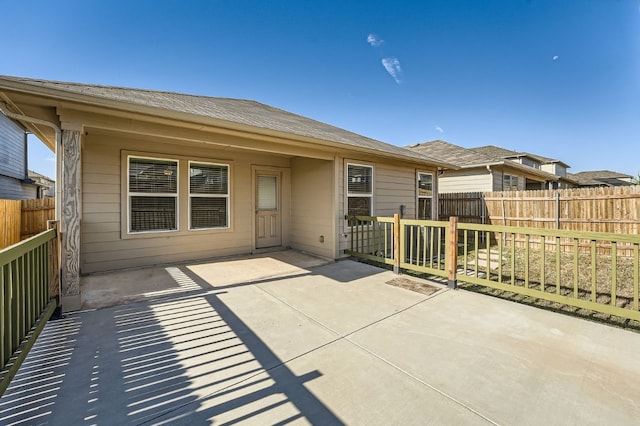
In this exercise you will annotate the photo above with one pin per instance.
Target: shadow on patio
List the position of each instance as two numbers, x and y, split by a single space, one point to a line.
184 357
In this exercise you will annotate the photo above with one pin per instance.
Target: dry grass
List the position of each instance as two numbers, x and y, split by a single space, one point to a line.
538 262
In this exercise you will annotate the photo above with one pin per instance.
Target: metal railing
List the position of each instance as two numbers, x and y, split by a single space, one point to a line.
590 270
28 271
423 246
373 238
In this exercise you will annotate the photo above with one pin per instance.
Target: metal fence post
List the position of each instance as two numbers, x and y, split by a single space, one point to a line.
452 252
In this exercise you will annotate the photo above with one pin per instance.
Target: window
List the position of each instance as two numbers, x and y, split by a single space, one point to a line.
425 196
359 190
509 183
153 194
208 195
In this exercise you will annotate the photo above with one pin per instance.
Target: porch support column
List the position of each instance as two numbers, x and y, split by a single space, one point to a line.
70 221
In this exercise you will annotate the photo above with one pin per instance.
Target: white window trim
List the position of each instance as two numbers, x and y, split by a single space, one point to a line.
418 196
175 195
348 194
227 196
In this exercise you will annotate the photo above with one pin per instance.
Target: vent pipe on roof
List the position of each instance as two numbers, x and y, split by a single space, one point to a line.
58 136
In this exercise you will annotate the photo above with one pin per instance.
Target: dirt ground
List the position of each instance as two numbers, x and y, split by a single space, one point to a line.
416 286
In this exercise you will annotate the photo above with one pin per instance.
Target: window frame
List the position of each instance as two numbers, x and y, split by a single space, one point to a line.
227 196
512 179
130 194
349 195
419 197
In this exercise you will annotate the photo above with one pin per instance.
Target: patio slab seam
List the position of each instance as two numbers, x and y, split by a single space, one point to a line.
338 338
422 382
347 336
320 323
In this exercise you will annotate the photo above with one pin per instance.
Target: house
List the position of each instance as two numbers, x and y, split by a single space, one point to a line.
601 178
14 179
482 172
149 177
45 185
546 164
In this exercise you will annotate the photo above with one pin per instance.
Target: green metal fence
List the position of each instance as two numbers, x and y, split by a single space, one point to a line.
372 238
25 302
423 246
589 270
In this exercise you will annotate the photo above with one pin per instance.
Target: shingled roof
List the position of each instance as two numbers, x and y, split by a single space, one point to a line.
498 152
468 158
197 108
601 178
455 154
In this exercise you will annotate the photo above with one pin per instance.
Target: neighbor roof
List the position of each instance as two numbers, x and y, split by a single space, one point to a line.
498 152
455 154
602 174
600 177
469 158
199 108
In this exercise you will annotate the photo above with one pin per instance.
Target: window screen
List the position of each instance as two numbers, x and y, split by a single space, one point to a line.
153 191
359 190
425 196
208 195
509 183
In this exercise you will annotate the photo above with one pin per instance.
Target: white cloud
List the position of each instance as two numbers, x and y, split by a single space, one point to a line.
438 128
374 41
392 65
555 57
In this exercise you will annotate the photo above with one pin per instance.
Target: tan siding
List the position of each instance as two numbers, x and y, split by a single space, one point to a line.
394 185
106 247
312 206
341 230
476 180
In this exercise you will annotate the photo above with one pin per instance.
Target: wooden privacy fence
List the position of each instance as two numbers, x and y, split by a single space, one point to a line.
489 255
10 222
21 219
607 209
603 209
29 294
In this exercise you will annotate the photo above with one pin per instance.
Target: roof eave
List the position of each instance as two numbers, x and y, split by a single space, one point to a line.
67 96
518 166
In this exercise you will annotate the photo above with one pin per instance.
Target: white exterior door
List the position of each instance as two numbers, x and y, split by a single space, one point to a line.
268 215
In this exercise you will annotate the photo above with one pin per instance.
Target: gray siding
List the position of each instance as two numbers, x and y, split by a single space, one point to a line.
14 189
13 149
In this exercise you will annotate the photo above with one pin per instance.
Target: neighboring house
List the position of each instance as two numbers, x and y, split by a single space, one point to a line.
479 172
149 177
601 178
14 180
546 164
46 186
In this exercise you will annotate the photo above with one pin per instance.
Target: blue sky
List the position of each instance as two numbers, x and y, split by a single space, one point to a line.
558 78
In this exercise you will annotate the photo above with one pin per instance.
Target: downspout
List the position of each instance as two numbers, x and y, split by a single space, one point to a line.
58 137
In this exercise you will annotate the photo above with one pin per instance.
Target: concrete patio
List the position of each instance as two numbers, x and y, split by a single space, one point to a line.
288 338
